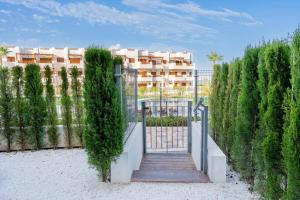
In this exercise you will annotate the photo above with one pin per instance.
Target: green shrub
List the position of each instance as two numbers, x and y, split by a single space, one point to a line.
213 100
233 98
247 112
77 103
66 104
291 150
277 61
104 132
19 104
262 86
51 109
36 105
6 106
221 99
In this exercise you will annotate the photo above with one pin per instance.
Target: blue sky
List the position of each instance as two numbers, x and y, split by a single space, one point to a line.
226 26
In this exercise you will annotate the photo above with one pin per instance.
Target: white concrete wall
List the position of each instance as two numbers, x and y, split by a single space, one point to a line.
216 162
130 159
196 144
216 158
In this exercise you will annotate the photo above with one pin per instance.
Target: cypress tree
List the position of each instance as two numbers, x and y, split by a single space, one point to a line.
278 68
36 105
51 109
213 100
19 104
66 107
6 106
104 132
232 96
78 104
247 116
221 99
262 86
291 142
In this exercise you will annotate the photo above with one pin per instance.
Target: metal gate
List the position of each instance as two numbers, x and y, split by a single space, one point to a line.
167 126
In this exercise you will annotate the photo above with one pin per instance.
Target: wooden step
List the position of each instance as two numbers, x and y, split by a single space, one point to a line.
168 167
169 176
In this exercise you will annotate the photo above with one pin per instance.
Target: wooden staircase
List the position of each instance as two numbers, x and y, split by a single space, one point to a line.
170 168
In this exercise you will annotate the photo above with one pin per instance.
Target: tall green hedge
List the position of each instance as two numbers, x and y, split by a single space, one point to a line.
78 103
213 100
222 106
291 142
230 113
6 106
247 112
278 68
36 105
104 132
51 109
19 104
262 86
66 104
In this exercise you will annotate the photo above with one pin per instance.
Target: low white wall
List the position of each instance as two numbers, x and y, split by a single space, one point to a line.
196 144
215 157
216 162
130 159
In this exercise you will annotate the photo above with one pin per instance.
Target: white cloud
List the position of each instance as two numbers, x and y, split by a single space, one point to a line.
155 18
6 12
115 46
43 19
3 20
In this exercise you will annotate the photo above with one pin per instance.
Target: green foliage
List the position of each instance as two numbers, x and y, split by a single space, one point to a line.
77 103
66 104
230 105
291 149
214 57
36 105
221 137
51 109
19 104
247 115
104 132
278 68
213 101
166 121
6 106
262 86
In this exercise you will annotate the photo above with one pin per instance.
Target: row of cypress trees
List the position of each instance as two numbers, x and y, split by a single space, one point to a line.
29 107
255 116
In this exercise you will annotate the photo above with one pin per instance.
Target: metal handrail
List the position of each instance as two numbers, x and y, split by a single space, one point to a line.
204 132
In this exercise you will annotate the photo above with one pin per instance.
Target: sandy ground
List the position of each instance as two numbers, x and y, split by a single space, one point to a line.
66 175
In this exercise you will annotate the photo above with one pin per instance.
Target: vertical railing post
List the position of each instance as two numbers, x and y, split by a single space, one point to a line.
205 137
189 121
136 95
196 91
202 140
118 75
144 125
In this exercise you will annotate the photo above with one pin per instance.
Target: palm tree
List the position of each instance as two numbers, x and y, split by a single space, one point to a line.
3 52
214 57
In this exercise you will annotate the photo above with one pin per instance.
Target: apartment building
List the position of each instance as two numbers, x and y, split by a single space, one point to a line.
155 69
159 69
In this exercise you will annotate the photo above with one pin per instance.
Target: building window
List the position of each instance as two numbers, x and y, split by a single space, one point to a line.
162 73
164 61
183 73
11 59
60 60
27 60
131 60
153 73
74 60
183 84
154 84
45 60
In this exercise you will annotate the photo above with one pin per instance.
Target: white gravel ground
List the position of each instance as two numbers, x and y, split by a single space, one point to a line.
65 174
